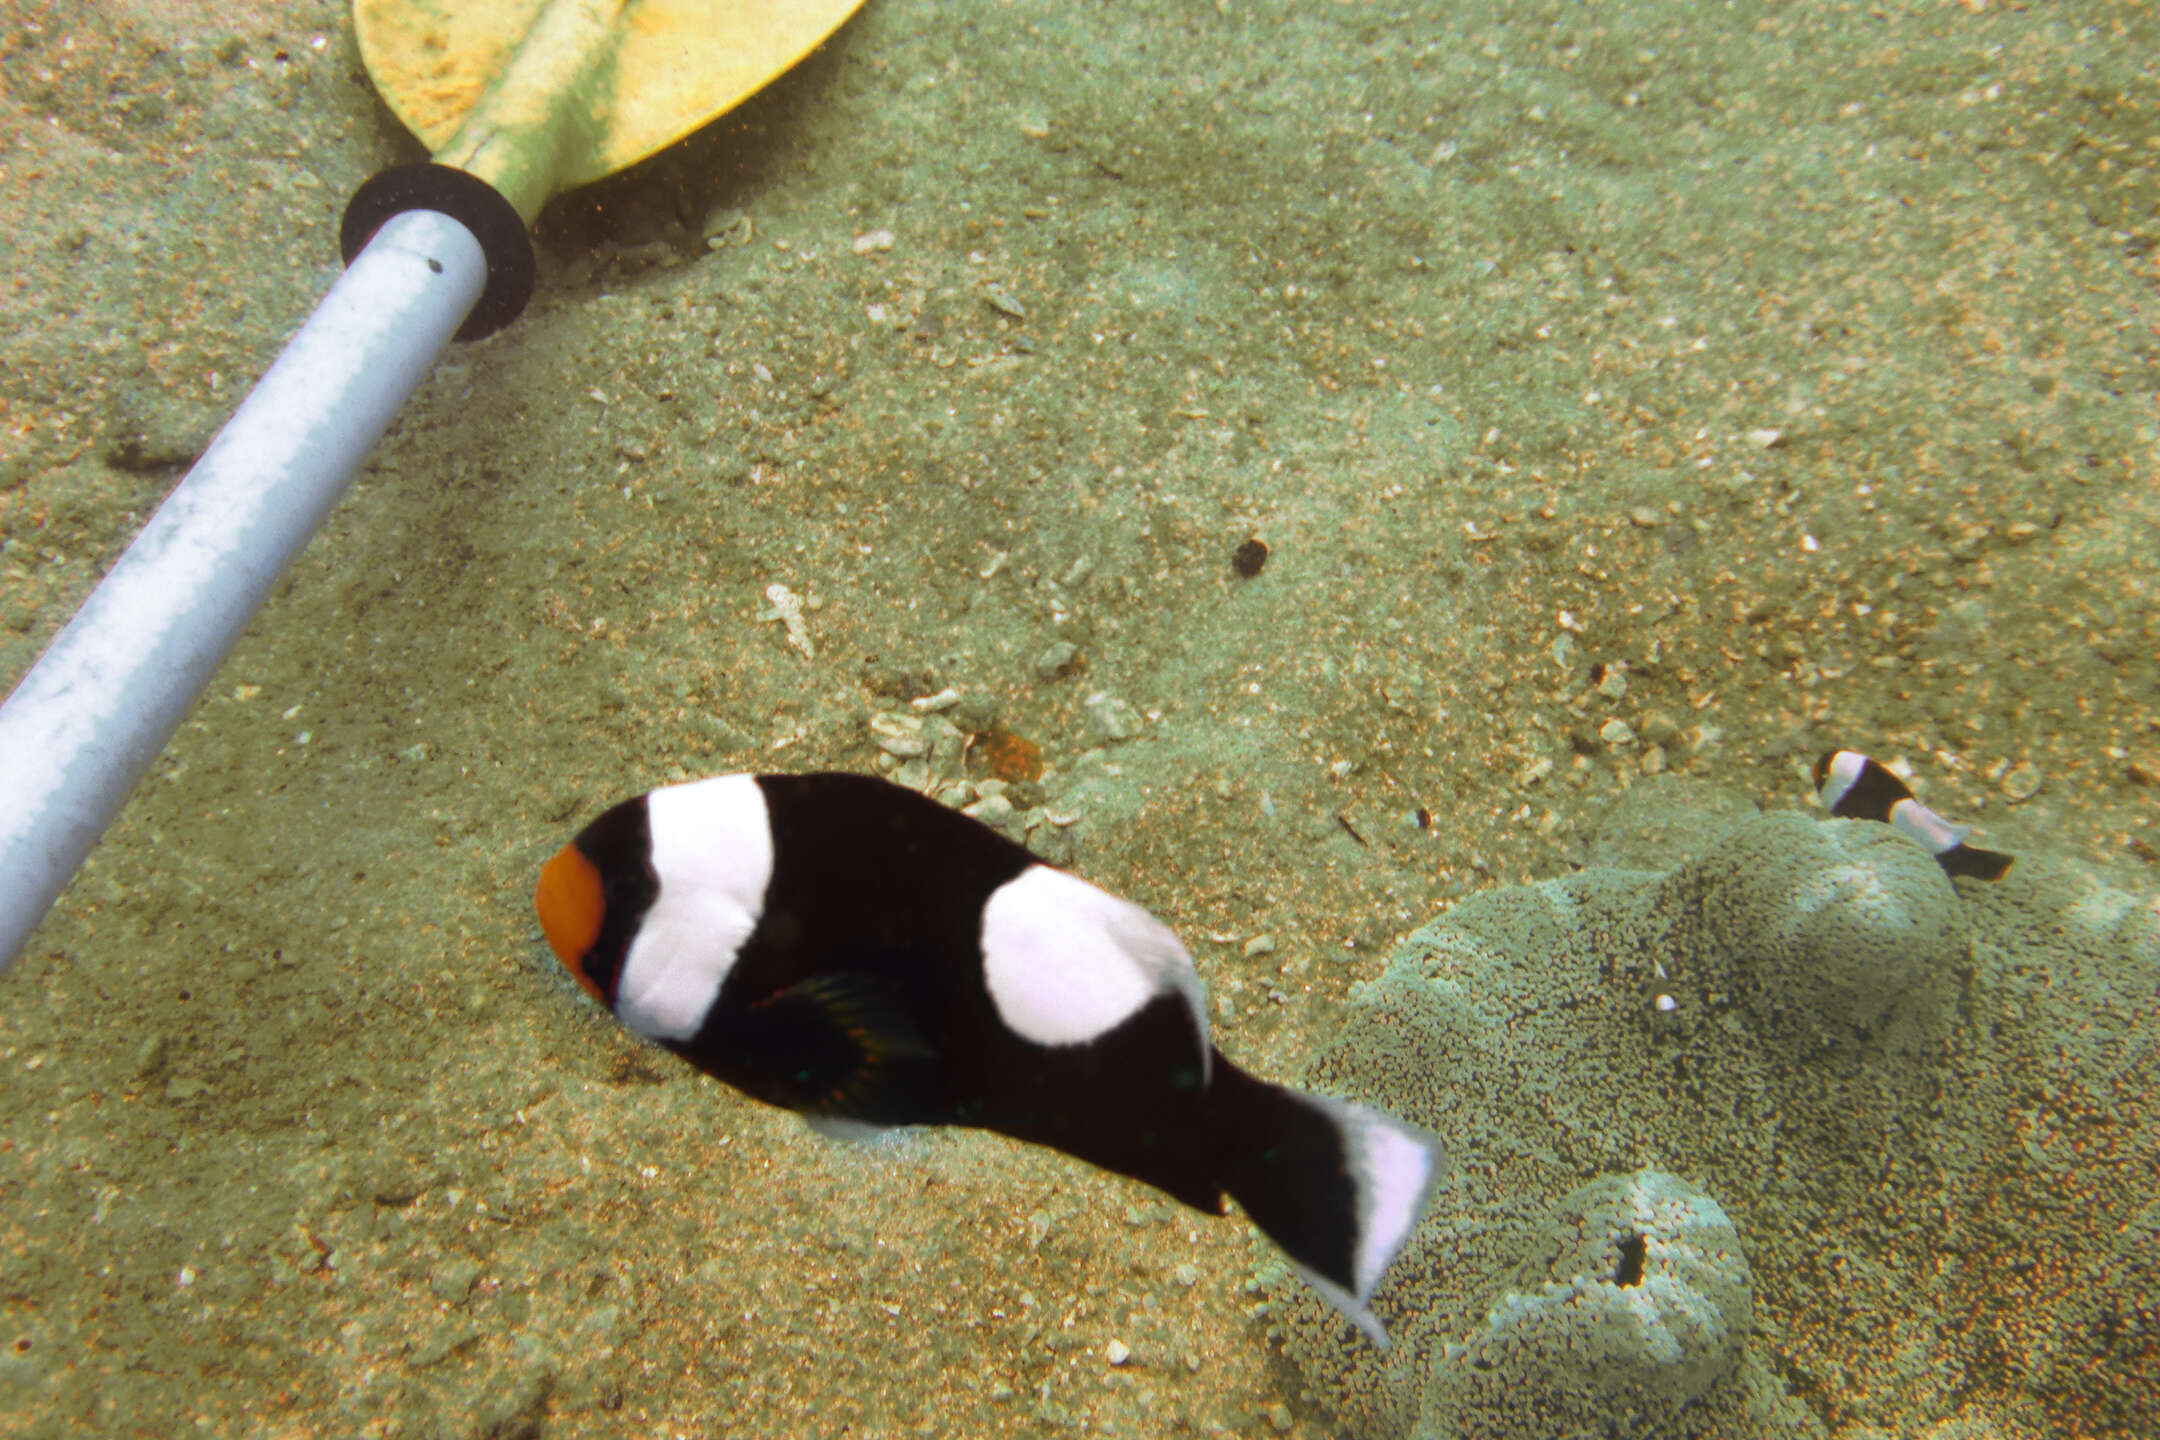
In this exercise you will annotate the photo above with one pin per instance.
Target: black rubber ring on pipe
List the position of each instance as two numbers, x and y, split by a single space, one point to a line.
473 203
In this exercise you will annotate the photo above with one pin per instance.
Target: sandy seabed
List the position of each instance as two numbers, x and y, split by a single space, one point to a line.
1619 389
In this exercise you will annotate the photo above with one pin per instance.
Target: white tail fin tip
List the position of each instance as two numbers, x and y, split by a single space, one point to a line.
1394 1167
1353 1309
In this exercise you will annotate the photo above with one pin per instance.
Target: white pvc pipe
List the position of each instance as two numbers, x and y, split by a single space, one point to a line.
106 695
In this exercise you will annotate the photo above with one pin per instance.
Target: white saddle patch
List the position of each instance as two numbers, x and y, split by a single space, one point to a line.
1844 773
1065 961
1913 819
712 849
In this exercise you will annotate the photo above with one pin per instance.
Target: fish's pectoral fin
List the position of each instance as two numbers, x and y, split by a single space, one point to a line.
842 1044
866 1006
845 1131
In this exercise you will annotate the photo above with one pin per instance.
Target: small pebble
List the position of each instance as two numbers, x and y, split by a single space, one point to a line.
870 241
784 605
1117 1352
450 1281
899 735
2022 783
995 811
447 1339
975 712
1250 558
1616 732
1111 719
1059 658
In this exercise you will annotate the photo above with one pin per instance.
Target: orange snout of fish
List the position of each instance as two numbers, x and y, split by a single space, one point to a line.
572 905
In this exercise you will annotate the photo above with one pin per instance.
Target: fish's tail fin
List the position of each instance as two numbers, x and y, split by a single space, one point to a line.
1339 1187
1962 859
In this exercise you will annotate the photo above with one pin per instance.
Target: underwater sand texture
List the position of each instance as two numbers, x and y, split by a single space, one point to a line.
1620 389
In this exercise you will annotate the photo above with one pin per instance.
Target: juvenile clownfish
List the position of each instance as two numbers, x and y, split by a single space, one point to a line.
862 955
1856 788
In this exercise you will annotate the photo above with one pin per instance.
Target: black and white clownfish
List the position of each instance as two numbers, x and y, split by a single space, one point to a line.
1856 788
861 954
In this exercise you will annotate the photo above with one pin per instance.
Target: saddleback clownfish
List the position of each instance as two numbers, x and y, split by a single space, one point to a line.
1856 788
863 955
